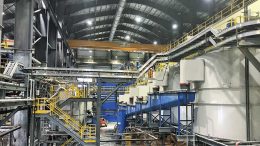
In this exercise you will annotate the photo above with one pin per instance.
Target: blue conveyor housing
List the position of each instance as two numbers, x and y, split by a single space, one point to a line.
157 101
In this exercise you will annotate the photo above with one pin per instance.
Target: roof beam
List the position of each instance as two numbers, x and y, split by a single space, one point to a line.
9 1
129 47
117 38
122 33
119 12
162 24
161 33
87 30
149 35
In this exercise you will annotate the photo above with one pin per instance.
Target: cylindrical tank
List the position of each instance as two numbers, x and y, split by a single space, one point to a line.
220 101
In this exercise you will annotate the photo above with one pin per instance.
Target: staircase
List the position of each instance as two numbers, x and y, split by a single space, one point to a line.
10 69
48 108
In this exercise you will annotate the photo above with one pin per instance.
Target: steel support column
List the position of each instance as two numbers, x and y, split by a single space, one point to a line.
98 111
247 90
42 45
23 43
1 22
52 45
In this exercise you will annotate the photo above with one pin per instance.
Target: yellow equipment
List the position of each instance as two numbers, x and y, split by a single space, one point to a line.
49 106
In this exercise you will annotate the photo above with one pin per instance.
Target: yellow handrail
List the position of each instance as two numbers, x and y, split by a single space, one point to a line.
49 106
85 131
228 11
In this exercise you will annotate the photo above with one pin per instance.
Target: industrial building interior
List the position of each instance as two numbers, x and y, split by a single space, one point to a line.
129 72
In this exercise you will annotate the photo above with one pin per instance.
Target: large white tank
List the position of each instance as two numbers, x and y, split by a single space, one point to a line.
220 110
220 100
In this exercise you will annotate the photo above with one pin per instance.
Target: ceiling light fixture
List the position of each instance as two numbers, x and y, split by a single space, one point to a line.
174 26
89 22
90 51
3 13
127 37
138 19
155 42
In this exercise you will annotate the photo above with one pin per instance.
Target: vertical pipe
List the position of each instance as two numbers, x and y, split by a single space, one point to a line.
98 112
247 90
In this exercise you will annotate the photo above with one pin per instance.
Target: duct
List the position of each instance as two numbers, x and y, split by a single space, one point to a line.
57 92
117 19
15 100
81 70
36 61
116 77
8 83
181 49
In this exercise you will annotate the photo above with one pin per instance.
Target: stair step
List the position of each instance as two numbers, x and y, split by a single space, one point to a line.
10 69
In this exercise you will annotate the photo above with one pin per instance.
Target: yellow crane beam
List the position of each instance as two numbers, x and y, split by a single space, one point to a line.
118 46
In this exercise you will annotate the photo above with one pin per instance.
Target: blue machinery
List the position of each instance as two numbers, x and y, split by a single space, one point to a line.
110 107
160 104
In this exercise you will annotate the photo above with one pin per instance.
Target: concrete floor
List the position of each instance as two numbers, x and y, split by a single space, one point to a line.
106 134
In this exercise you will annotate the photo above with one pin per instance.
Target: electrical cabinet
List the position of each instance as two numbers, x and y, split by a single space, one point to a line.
192 71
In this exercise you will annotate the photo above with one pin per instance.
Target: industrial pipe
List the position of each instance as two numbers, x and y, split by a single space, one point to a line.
57 92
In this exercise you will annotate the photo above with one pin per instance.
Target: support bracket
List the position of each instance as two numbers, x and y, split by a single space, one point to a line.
2 122
250 57
112 92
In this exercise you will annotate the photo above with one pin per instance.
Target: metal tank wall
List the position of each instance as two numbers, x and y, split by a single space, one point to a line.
220 110
220 100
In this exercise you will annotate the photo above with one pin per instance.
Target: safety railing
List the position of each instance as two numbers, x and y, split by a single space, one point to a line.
71 92
88 133
110 89
40 106
236 20
44 105
228 11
